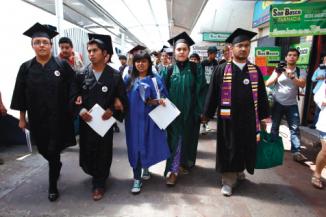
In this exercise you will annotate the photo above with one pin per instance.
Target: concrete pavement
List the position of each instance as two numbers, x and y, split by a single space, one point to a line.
281 191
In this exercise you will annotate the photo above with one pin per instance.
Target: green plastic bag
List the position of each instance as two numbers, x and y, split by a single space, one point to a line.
269 153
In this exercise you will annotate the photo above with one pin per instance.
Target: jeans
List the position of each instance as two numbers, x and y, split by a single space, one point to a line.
137 170
316 116
291 113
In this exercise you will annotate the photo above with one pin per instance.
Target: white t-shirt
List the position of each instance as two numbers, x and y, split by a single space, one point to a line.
240 65
285 91
320 95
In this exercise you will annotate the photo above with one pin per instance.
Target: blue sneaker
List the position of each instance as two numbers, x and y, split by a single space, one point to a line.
146 174
136 187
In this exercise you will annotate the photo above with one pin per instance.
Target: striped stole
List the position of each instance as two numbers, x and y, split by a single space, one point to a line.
226 96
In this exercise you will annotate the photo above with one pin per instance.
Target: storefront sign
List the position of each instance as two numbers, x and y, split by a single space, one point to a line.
266 58
298 19
215 36
304 50
261 11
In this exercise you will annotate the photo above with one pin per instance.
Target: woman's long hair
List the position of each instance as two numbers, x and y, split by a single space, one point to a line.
134 73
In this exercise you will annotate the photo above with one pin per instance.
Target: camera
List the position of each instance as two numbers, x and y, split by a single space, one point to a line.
322 66
280 66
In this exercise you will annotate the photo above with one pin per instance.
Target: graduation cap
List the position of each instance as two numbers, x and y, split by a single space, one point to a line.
39 30
105 40
240 35
136 48
169 50
181 38
163 48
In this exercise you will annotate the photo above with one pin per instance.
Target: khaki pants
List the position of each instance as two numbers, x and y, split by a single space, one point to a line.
231 178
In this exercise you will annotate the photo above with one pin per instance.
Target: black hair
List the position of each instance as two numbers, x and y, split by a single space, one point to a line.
293 50
99 44
195 55
122 57
65 40
134 73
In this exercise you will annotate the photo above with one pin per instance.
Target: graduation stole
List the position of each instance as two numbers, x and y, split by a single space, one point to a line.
226 96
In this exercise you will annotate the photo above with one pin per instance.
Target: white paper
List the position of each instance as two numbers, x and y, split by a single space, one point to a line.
320 95
99 125
28 140
164 115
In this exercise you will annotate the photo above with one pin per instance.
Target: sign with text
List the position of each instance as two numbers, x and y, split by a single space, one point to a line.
304 50
288 20
215 36
265 58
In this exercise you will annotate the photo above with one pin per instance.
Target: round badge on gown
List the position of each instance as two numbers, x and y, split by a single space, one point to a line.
246 81
104 89
57 73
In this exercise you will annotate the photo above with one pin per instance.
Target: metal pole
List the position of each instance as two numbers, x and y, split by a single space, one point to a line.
123 43
59 14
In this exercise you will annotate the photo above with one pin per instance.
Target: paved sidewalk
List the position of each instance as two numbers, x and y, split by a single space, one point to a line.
284 191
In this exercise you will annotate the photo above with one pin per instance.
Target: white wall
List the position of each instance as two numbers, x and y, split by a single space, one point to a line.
15 17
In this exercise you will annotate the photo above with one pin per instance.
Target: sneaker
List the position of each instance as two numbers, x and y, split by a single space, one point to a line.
146 174
226 190
171 180
136 187
202 129
298 157
1 161
183 171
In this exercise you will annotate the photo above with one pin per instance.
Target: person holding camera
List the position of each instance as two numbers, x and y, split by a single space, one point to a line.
319 77
287 78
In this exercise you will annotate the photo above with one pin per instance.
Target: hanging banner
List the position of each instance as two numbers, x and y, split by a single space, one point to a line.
266 59
287 20
215 36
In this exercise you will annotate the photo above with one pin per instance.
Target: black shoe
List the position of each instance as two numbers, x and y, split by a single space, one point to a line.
53 196
1 161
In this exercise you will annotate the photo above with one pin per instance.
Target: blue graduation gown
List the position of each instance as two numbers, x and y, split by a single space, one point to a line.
144 138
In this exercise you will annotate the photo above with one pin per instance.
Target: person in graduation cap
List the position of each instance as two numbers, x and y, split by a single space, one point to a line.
185 82
98 84
165 60
131 52
238 92
42 89
146 142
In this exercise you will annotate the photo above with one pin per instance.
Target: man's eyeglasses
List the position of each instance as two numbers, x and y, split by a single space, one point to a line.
39 43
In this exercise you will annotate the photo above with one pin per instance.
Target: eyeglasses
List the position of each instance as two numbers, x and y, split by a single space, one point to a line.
39 43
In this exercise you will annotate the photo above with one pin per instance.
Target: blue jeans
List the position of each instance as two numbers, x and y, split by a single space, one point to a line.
316 116
291 113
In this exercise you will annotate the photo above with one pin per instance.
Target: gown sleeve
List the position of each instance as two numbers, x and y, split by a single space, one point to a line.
122 95
200 89
263 105
211 101
18 101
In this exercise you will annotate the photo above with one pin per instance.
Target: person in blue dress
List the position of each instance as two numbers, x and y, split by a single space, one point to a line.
146 142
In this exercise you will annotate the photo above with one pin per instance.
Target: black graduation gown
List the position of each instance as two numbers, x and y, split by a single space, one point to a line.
236 138
96 151
44 92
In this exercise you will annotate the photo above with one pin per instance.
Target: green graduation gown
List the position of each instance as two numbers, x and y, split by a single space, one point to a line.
186 91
